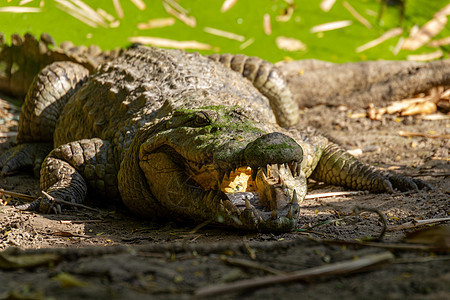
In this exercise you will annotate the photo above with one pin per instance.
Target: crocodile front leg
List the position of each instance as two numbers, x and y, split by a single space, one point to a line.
45 100
72 168
338 167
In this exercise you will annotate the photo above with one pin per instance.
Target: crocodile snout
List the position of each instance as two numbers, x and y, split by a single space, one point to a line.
272 148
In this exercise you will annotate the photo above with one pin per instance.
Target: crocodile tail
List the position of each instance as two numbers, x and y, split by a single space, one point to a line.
21 60
338 167
268 80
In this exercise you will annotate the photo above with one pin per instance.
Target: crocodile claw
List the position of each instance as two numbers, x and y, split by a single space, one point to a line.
404 183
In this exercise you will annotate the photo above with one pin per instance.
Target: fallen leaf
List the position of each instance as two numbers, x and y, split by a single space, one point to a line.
139 4
387 35
436 235
68 280
8 262
161 42
286 15
118 8
227 5
426 57
19 9
174 9
425 33
225 34
330 26
399 106
156 23
426 107
267 24
445 11
439 43
290 44
326 5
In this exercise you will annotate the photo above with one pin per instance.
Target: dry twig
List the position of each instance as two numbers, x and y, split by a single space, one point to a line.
427 135
359 209
344 267
118 8
59 201
250 264
225 34
332 194
18 195
330 26
355 14
387 35
418 223
391 246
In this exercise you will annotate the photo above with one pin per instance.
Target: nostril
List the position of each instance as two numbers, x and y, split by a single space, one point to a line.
273 148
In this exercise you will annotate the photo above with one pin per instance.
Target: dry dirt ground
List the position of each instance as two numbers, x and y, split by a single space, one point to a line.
110 253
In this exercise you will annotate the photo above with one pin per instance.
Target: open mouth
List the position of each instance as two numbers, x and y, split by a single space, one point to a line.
270 190
247 185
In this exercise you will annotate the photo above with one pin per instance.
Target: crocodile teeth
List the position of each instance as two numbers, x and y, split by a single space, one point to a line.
274 214
294 199
292 168
269 170
247 204
290 213
264 170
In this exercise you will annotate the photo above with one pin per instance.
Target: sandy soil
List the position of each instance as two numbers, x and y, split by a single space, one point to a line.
171 260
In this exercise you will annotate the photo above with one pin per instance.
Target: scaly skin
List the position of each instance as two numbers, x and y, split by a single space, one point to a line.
266 78
163 131
21 60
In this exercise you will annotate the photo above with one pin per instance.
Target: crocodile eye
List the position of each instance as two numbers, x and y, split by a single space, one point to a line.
203 118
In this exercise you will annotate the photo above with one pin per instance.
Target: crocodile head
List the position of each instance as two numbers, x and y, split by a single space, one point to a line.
215 159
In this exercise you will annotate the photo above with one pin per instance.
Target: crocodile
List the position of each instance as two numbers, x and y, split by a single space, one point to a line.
176 135
22 60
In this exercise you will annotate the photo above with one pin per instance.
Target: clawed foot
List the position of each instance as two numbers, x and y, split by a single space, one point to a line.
24 155
48 204
404 183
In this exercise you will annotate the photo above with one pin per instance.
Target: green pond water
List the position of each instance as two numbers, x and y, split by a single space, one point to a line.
245 18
